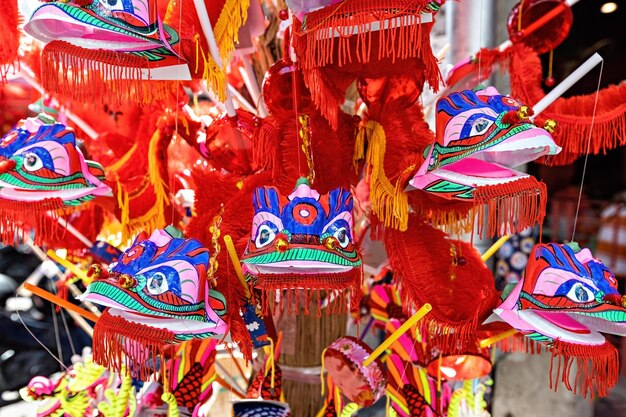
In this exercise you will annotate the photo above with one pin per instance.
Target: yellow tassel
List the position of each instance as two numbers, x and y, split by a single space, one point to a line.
359 149
160 188
337 398
214 76
196 38
389 201
122 201
234 14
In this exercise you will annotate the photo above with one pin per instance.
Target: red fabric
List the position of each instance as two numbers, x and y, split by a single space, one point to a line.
212 191
9 36
421 260
277 147
330 64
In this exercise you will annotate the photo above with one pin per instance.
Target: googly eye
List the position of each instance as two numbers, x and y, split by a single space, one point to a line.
32 162
157 284
342 236
580 294
480 126
265 235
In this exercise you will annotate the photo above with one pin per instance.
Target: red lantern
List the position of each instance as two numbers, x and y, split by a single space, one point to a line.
279 91
228 142
549 33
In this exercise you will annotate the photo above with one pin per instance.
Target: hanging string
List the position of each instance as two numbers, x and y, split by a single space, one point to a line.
582 180
480 40
19 316
57 335
295 108
519 16
230 387
65 326
550 59
67 331
171 179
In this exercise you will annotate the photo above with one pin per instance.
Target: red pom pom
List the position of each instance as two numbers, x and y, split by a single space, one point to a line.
510 117
283 14
550 81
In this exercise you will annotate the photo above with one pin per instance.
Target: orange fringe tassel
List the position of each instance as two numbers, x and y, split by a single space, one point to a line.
119 344
597 368
99 76
519 343
389 201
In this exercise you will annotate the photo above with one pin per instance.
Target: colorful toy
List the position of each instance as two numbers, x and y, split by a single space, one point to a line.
156 294
480 137
412 392
565 299
43 170
251 408
343 360
303 241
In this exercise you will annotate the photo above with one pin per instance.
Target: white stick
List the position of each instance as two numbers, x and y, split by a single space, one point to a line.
207 29
565 85
247 73
242 100
29 77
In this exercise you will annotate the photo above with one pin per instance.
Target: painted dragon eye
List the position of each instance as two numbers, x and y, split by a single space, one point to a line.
112 4
342 237
32 162
157 284
580 294
265 235
480 126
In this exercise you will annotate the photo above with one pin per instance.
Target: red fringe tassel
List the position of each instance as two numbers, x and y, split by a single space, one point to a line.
9 37
519 343
510 207
597 368
573 115
317 47
330 64
99 75
118 343
342 291
17 218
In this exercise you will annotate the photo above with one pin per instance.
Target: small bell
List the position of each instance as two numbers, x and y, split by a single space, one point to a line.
549 125
126 281
96 271
524 112
330 242
281 245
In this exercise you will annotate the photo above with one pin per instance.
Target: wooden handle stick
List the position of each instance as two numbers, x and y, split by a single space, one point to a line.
412 321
